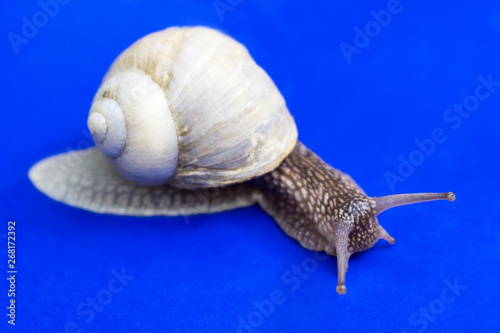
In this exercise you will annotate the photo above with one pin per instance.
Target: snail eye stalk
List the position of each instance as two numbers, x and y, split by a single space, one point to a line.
390 201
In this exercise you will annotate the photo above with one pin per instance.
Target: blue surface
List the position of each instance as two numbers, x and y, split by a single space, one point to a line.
218 273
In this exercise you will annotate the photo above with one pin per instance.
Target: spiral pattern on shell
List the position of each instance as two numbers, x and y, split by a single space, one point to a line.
190 107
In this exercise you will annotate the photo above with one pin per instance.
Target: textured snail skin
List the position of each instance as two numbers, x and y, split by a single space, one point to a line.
319 206
86 179
325 210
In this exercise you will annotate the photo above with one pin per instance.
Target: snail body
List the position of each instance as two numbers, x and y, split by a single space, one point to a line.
186 109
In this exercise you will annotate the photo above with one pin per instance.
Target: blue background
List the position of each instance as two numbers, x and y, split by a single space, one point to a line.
211 272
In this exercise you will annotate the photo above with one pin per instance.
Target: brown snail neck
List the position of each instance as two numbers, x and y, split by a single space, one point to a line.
324 209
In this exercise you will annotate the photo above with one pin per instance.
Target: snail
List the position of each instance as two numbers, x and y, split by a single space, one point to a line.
185 122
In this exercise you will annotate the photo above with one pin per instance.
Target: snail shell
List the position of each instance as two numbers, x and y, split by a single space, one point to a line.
190 107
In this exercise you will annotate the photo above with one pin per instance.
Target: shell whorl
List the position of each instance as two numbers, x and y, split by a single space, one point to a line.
227 122
132 125
107 126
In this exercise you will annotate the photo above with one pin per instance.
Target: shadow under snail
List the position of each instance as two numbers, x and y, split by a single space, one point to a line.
187 108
